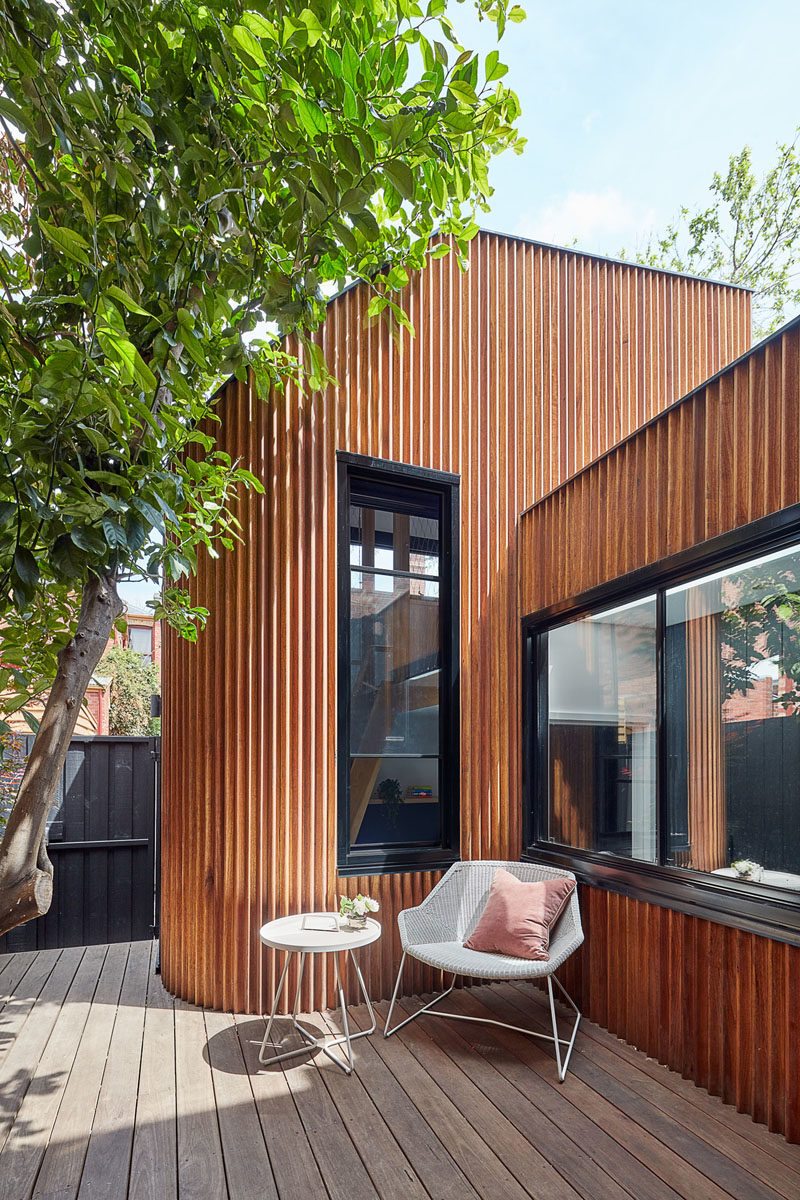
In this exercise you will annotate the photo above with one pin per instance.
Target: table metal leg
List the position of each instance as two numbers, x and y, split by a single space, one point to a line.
274 1009
324 1044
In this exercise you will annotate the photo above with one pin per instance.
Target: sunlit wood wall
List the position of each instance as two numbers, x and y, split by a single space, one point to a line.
718 1004
521 371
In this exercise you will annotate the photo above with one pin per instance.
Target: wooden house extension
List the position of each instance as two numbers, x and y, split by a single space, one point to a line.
363 707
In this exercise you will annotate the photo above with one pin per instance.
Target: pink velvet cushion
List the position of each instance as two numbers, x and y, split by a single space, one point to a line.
518 916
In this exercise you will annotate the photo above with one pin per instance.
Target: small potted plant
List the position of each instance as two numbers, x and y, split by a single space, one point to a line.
391 794
354 912
745 868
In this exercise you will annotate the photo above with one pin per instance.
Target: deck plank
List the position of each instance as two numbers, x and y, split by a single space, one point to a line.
579 1149
456 1075
111 1090
105 1169
247 1166
154 1154
294 1166
29 1136
12 971
371 1134
23 992
691 1097
440 1174
741 1150
735 1177
589 1114
62 1164
328 1133
23 1055
201 1173
482 1165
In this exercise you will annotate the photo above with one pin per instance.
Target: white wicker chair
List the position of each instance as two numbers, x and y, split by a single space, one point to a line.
434 933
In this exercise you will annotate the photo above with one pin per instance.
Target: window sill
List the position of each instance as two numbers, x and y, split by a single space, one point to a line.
769 912
401 863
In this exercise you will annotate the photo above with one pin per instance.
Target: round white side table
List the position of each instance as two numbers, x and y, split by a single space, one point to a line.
289 935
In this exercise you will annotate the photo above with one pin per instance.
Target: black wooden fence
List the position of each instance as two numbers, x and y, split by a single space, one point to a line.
763 792
102 842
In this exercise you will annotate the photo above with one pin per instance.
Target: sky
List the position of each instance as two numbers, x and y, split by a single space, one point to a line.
628 109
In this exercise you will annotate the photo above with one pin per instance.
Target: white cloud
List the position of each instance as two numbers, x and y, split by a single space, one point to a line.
602 221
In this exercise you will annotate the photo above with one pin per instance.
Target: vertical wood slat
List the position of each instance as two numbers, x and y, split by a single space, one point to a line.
721 462
524 367
727 1000
728 1012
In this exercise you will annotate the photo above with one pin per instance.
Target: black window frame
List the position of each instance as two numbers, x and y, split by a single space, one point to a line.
764 910
390 859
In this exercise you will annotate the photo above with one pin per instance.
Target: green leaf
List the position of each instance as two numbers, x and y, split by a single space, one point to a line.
115 534
68 241
64 558
314 27
376 306
7 510
25 567
401 177
350 63
88 539
153 518
126 300
31 721
463 92
249 43
494 68
311 116
259 25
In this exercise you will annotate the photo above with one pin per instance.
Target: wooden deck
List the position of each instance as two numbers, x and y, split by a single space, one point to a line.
109 1088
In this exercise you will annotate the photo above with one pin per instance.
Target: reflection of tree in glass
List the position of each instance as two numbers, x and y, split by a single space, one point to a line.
767 628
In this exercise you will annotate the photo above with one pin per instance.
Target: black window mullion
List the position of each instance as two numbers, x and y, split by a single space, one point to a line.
662 764
395 574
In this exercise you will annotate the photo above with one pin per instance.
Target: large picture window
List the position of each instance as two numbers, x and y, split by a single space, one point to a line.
398 706
666 728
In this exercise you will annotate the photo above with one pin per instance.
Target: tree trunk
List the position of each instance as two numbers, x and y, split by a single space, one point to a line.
26 873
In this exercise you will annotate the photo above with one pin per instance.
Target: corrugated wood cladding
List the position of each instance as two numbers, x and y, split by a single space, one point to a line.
522 370
728 454
719 1005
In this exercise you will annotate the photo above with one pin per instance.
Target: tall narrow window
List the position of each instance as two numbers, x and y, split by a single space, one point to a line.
398 709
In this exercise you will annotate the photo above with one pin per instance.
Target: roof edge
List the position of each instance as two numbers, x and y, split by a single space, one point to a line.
660 416
607 258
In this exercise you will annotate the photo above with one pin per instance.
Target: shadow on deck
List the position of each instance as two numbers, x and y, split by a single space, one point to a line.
110 1088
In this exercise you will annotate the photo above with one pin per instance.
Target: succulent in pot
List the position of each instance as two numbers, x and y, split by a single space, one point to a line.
745 868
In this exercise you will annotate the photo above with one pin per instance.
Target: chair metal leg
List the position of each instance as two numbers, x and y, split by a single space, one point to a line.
557 1041
387 1032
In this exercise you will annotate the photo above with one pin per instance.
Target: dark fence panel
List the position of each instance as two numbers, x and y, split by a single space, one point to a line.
101 841
763 788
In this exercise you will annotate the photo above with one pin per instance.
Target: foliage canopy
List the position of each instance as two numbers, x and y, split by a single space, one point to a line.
133 682
749 234
176 174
